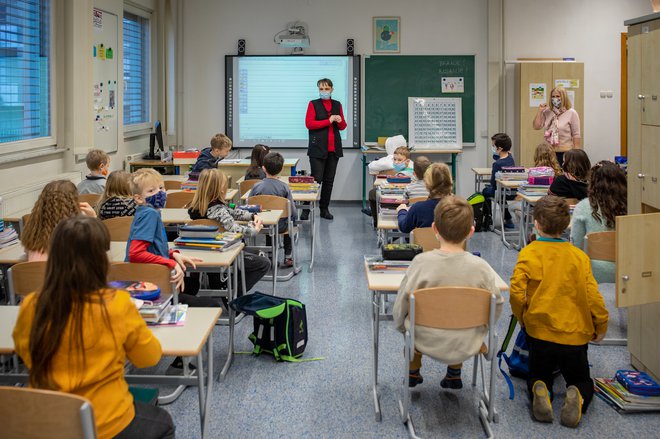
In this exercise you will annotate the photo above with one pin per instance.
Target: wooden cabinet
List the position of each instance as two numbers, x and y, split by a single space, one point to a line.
638 234
547 73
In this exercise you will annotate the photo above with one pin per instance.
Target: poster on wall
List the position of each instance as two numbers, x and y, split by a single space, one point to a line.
537 95
453 85
567 83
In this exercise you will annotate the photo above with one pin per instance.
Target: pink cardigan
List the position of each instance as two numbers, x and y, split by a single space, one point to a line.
569 127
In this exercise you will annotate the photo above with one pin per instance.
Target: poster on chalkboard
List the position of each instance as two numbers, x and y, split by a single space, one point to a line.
435 123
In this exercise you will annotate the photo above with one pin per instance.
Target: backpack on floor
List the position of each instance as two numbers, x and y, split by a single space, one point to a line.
280 325
518 362
481 210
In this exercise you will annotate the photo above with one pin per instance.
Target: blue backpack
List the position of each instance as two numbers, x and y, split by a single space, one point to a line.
518 362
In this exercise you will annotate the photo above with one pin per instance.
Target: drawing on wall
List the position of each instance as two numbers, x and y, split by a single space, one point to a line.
567 83
537 94
387 34
453 85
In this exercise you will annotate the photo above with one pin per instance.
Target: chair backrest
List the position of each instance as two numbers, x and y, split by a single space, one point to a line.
92 199
172 185
452 307
25 278
246 185
414 200
206 222
41 414
425 237
119 227
177 200
154 273
271 202
601 246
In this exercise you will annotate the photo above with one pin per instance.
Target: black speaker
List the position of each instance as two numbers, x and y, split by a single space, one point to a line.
241 47
350 46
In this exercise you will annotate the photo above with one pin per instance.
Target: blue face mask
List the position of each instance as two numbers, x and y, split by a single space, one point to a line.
157 200
398 167
325 95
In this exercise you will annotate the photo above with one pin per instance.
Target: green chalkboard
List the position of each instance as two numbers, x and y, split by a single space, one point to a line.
390 80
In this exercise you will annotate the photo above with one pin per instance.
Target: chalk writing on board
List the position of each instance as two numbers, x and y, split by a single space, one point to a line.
435 123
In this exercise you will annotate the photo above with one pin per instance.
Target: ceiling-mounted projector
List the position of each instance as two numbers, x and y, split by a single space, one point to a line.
294 36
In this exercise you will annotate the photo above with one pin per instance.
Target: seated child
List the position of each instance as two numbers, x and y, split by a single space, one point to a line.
273 163
209 202
607 199
209 157
98 163
545 156
453 225
503 158
573 182
555 298
387 163
421 214
255 171
76 334
58 200
417 187
117 199
403 166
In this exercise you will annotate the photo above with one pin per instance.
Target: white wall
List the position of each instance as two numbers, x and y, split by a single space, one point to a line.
211 30
590 32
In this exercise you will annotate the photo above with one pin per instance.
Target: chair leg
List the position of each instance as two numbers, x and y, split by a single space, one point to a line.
404 400
475 370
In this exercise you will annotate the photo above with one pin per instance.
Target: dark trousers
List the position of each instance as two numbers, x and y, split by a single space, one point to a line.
150 422
560 158
489 192
324 171
374 206
546 357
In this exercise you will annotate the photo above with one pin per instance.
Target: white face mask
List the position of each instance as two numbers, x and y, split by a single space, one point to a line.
493 149
556 102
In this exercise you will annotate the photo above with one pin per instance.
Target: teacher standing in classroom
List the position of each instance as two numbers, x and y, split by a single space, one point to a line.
324 120
560 122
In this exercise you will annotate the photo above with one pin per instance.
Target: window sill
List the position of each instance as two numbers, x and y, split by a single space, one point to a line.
139 130
26 155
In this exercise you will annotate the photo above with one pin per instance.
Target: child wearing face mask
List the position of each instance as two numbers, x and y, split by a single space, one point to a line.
398 160
500 148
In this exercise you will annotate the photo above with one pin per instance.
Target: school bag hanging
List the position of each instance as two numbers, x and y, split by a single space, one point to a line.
280 325
481 213
518 362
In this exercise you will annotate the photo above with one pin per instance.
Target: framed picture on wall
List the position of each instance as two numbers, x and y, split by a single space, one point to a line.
387 34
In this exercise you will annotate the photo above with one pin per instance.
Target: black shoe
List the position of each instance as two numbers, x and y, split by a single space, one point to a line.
325 213
367 211
178 364
304 216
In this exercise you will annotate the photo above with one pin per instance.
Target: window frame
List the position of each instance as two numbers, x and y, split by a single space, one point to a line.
20 147
141 128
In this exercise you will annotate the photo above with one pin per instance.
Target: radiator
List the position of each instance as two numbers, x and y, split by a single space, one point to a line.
22 198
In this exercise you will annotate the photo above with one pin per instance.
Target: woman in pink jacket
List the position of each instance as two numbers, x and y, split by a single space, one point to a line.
560 122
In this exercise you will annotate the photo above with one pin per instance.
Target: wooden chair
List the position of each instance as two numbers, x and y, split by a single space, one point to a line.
425 237
177 200
92 199
119 227
172 185
454 308
45 414
154 273
414 200
25 278
246 185
601 246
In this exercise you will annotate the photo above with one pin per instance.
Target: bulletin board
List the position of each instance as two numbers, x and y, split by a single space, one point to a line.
105 77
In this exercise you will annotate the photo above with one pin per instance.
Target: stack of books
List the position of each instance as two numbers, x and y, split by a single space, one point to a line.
513 173
389 199
533 189
623 400
303 184
189 185
220 242
376 264
8 237
152 311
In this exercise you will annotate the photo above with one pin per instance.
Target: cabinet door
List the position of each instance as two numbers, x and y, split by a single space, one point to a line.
650 38
650 164
529 138
637 261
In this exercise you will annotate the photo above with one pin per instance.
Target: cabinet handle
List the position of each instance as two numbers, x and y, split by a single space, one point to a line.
625 278
640 97
640 176
654 179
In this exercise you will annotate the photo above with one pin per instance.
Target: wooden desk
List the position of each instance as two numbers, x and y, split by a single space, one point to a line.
373 152
133 166
481 175
187 340
503 189
527 202
237 169
381 285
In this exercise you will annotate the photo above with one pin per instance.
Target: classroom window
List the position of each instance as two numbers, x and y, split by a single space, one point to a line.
136 69
25 101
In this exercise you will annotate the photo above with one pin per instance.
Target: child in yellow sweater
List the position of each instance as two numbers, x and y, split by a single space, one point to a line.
555 297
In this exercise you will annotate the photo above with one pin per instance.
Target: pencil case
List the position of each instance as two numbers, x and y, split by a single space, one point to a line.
301 179
400 179
401 252
639 383
252 208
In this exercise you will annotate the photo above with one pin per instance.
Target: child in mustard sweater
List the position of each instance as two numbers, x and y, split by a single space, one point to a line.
555 297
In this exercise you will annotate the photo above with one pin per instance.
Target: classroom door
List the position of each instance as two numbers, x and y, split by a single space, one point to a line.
637 264
650 92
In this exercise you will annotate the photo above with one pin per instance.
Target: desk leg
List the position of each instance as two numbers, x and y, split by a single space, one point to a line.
312 223
232 286
209 384
241 261
375 321
201 390
275 235
364 181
